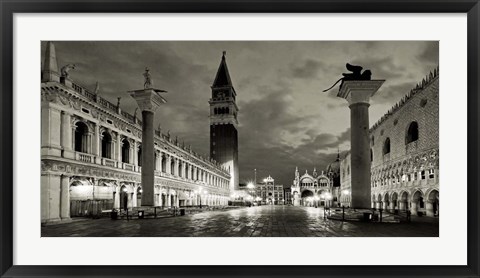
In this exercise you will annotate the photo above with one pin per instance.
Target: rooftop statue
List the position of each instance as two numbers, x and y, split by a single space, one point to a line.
148 79
65 69
356 74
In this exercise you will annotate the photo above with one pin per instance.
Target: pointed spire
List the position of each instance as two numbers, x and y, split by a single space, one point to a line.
223 77
50 65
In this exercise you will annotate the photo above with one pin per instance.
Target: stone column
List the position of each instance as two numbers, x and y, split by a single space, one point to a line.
50 197
169 200
429 208
413 208
118 148
385 206
401 205
358 94
175 167
135 153
67 140
96 142
116 201
65 198
134 198
168 165
148 100
50 125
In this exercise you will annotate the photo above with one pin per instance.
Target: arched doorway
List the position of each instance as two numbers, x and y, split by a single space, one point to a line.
403 205
394 202
433 203
386 202
124 198
307 198
418 204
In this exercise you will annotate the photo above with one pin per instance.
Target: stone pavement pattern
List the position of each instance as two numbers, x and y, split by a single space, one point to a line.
263 221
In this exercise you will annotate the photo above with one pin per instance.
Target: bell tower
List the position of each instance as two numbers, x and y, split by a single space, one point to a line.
223 123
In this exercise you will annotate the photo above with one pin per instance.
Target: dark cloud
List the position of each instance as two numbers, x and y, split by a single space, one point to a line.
430 53
309 69
284 120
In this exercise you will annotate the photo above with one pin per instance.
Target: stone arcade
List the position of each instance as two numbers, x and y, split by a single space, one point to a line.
91 156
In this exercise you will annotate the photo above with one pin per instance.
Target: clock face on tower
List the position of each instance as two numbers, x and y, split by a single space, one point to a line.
220 94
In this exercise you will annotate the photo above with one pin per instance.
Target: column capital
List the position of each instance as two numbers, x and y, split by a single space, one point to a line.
359 91
148 99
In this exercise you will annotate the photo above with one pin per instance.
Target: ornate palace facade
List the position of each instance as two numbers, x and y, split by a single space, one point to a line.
91 155
315 189
404 154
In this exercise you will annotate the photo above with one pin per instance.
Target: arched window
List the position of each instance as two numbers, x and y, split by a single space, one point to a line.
215 111
125 151
386 146
106 145
164 164
81 135
371 155
412 133
172 167
139 156
180 169
227 111
373 140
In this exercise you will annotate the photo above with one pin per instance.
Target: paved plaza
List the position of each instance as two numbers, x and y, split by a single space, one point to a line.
263 221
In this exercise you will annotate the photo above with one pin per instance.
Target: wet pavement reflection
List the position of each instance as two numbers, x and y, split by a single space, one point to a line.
262 221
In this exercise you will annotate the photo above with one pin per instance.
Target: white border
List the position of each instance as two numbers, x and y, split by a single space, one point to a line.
449 248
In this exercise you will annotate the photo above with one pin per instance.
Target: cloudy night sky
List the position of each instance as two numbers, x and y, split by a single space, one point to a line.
284 120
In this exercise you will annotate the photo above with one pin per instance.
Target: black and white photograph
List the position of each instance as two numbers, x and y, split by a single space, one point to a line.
239 139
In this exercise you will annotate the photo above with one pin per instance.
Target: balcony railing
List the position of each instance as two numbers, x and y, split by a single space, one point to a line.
84 157
109 162
129 167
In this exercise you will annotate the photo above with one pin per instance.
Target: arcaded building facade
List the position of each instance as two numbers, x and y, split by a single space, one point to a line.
404 153
91 155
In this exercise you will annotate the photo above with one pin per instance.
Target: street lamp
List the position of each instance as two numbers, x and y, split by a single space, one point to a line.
346 192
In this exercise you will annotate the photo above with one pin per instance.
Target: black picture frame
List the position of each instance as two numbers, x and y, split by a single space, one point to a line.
10 7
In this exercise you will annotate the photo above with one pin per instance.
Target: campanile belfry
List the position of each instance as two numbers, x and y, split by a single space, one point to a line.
223 123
